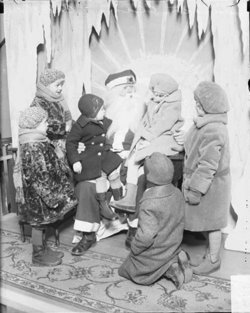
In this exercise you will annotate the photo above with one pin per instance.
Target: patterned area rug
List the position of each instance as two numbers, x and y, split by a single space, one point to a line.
91 282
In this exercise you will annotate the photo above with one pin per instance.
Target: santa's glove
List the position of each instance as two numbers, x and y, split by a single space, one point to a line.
192 196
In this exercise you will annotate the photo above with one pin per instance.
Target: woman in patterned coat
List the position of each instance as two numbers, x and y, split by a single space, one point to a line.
46 194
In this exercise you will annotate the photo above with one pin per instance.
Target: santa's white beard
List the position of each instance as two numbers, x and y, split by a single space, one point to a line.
125 113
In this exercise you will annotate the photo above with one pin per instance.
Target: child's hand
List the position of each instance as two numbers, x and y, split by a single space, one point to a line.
179 136
81 147
77 167
192 196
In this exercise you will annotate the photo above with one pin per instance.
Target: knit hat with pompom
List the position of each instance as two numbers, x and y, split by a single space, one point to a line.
163 83
49 76
32 117
211 97
158 169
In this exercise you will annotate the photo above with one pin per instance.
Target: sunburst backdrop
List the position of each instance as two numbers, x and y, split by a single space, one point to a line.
151 41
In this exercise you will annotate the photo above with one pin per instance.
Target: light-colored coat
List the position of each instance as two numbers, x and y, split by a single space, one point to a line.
158 237
158 126
206 169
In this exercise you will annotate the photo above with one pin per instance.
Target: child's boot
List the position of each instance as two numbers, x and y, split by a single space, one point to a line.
207 266
58 254
115 184
41 257
88 239
183 261
175 274
128 203
105 209
130 235
40 254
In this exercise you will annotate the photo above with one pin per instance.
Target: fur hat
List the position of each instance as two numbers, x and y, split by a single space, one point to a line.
89 105
163 83
49 76
32 117
121 78
159 169
212 97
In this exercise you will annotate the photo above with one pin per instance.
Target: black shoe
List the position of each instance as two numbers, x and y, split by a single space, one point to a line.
130 235
84 244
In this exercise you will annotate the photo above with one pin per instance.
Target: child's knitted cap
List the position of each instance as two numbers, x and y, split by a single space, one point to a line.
211 97
163 83
89 105
159 169
49 76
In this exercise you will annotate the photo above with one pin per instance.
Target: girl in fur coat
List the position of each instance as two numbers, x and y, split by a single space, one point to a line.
206 181
44 192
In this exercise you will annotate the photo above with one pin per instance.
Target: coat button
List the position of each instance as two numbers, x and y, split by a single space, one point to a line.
103 135
101 144
92 143
99 153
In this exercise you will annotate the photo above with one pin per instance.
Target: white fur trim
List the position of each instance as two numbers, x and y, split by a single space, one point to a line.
86 226
133 223
119 81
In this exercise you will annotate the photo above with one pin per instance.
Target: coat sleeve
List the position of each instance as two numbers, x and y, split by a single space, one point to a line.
208 161
147 228
73 138
166 118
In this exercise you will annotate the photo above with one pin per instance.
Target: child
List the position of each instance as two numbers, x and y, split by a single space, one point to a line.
44 192
49 97
97 162
155 249
206 182
154 134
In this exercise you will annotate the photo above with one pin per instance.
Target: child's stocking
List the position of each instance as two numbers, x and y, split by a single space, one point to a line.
101 195
115 184
214 239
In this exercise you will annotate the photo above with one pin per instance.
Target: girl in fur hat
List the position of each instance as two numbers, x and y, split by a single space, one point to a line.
44 193
206 182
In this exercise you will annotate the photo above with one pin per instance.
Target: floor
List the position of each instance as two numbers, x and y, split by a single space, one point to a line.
233 264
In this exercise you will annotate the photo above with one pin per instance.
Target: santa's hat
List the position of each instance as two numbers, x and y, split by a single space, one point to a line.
121 78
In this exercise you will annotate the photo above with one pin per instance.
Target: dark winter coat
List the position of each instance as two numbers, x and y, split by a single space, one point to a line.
45 185
97 156
206 169
158 237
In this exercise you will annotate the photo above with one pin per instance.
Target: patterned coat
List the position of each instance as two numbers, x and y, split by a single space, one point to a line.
97 156
158 237
45 185
206 169
157 127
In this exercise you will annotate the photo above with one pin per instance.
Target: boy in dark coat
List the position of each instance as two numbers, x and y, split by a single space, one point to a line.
155 249
44 193
97 162
206 181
